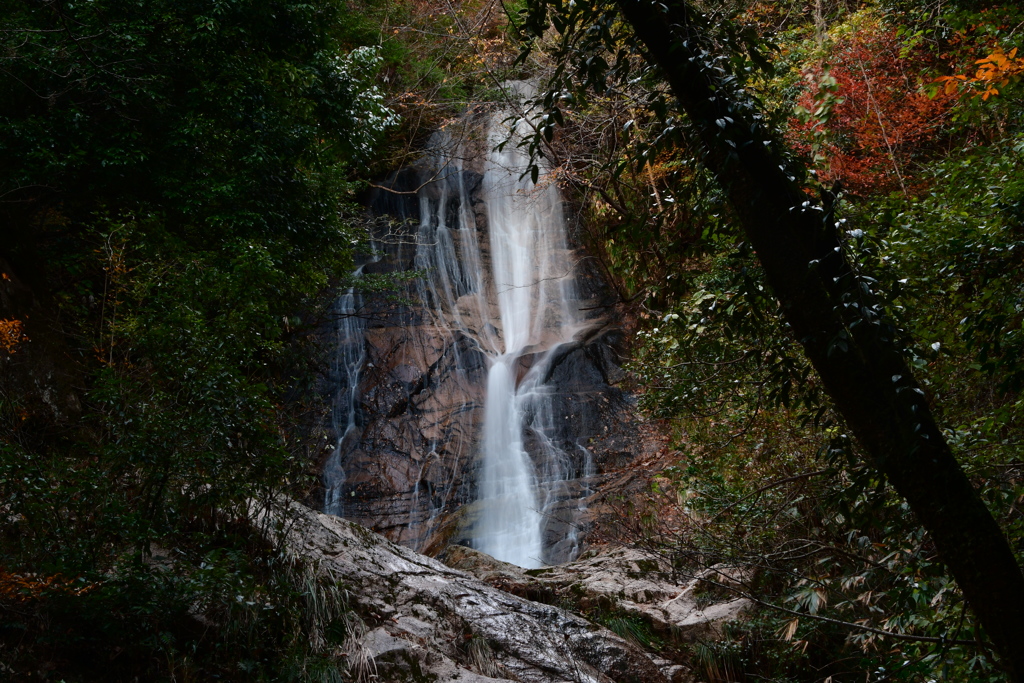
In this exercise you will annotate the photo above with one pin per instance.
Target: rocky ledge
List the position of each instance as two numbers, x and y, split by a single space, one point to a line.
422 620
426 621
682 606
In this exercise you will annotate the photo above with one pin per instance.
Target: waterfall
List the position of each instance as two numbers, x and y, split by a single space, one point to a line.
453 294
348 363
468 412
534 284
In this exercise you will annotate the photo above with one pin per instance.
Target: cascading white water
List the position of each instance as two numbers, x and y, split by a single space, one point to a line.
534 283
348 362
505 304
452 289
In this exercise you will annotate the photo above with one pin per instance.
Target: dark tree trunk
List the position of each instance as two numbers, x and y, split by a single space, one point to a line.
837 320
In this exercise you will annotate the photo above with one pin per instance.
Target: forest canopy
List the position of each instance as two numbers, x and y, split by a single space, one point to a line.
781 300
176 192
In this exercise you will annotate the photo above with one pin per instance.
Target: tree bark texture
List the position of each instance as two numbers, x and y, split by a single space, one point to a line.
837 321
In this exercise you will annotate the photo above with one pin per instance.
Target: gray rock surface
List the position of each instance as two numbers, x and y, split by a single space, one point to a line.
625 580
427 621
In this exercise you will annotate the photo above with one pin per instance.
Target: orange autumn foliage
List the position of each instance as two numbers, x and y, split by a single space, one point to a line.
995 71
870 128
11 334
18 588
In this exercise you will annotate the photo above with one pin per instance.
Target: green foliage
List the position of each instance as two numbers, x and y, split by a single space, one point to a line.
235 614
747 652
176 177
953 248
439 57
235 113
722 349
756 509
631 628
770 481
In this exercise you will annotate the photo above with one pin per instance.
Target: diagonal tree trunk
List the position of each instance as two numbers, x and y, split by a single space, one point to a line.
837 321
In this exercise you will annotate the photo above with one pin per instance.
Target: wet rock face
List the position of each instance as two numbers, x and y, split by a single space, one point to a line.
421 399
411 456
426 621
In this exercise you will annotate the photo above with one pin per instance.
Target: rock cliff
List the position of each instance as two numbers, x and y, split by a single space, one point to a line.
408 451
